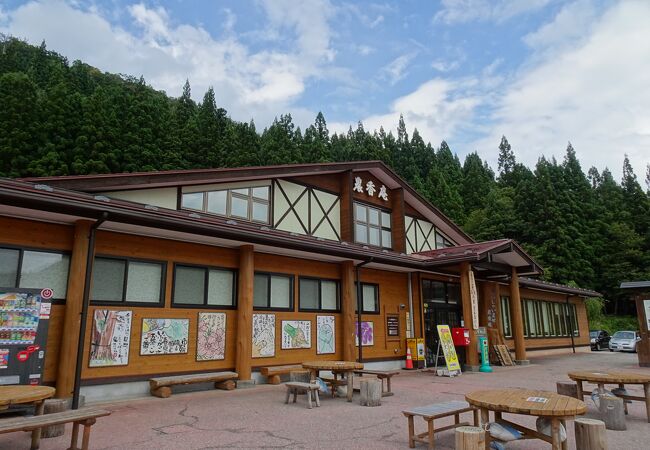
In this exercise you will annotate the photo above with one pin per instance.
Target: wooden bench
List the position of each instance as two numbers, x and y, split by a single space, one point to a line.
297 387
84 416
382 375
273 373
161 387
437 411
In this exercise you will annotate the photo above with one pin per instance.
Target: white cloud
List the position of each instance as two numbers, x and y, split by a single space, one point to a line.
363 50
259 84
438 108
462 11
592 91
396 70
444 66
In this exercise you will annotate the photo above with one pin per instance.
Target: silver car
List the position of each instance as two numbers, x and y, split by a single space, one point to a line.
624 341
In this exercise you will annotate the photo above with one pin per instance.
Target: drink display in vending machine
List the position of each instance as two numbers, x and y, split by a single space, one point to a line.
24 320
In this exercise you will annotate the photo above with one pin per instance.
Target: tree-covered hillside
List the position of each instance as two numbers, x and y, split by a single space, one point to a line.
61 118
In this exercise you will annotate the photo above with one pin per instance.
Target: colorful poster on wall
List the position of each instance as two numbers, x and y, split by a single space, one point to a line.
367 334
325 335
263 335
110 338
296 334
164 336
448 349
211 337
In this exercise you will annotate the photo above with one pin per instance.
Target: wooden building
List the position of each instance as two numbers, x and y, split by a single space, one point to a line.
204 270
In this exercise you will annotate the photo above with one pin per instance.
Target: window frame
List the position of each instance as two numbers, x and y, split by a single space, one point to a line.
506 314
269 275
320 295
206 281
160 303
19 269
250 198
377 302
381 227
445 285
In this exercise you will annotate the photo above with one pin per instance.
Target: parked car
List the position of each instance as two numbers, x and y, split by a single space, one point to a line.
599 339
624 341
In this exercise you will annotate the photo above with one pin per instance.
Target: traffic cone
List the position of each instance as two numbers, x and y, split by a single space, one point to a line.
409 359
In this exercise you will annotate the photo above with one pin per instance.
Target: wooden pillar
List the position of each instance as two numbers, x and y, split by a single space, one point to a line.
398 221
348 306
517 319
471 353
243 360
73 304
347 213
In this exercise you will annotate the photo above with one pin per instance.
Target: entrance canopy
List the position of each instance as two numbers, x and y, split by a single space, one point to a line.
489 259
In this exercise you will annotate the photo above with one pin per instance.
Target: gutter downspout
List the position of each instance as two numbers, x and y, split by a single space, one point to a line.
84 308
410 293
360 305
573 344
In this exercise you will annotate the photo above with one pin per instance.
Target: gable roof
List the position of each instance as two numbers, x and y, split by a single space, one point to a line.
176 178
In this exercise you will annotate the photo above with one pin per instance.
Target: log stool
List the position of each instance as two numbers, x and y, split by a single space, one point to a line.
612 412
54 405
470 438
568 388
370 390
297 387
590 434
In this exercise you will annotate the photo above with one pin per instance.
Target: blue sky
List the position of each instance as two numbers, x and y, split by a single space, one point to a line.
542 72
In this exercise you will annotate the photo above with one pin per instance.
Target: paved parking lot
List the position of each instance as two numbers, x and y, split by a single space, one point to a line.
258 418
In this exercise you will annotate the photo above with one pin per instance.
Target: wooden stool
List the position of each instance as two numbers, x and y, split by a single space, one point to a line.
590 434
612 412
370 390
297 387
470 438
568 388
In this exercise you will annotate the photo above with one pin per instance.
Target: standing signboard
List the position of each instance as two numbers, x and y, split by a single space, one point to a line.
448 349
24 320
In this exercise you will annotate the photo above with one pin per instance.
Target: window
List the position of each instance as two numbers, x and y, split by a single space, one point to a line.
273 291
369 298
247 203
506 321
35 269
121 280
372 226
547 319
318 295
203 286
442 242
440 292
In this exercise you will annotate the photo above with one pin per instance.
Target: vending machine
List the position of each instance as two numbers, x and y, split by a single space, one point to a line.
24 320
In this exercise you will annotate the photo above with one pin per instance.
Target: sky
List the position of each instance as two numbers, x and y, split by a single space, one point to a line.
541 72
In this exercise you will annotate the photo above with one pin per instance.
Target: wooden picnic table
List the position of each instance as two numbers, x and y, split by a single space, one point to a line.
558 408
25 395
345 367
601 378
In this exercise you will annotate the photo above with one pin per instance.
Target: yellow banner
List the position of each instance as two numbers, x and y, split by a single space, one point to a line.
447 344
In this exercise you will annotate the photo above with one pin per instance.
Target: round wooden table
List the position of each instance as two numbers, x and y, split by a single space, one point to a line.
24 395
601 378
345 367
558 408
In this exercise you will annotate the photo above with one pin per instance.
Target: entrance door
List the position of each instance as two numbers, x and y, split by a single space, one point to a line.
442 306
436 314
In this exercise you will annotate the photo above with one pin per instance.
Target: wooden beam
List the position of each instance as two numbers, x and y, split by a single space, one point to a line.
347 223
471 354
72 317
517 319
348 305
244 355
398 221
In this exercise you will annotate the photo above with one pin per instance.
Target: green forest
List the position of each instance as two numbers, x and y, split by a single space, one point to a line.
62 118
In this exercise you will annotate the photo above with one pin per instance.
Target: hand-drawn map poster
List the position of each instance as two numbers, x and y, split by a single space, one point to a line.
263 335
325 335
164 336
367 333
211 338
296 334
110 338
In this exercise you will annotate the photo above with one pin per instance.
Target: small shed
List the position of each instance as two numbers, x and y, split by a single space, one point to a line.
640 291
